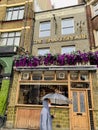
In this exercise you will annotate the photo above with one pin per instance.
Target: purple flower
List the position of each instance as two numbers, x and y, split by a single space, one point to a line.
57 59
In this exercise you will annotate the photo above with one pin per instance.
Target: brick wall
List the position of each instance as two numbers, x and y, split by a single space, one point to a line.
95 98
61 120
11 107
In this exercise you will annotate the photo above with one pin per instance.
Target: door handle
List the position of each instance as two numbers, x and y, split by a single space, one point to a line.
79 114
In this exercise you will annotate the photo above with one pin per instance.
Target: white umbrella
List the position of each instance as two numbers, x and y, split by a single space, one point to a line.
57 98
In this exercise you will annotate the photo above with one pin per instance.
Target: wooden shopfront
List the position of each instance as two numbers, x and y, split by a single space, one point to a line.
74 83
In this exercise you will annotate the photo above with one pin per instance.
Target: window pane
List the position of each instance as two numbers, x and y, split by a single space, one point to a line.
3 42
17 33
4 35
44 33
21 13
67 49
44 25
10 9
82 102
75 102
68 30
43 51
21 7
44 29
11 34
67 22
10 41
68 26
16 41
9 16
15 15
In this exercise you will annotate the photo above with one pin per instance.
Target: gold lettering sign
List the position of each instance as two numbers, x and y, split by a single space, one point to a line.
62 39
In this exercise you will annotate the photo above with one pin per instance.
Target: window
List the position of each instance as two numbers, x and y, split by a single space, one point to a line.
67 49
15 13
43 51
67 26
95 9
44 29
32 94
10 39
96 37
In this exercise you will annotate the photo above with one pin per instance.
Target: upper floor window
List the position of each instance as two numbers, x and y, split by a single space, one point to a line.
43 51
95 8
67 26
10 39
67 49
96 37
15 13
44 30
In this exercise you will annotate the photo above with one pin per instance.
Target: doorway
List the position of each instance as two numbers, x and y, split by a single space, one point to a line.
79 110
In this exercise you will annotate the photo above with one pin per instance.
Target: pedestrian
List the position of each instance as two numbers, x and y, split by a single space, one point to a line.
45 117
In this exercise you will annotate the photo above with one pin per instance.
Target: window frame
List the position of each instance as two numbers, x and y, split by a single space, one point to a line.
9 37
44 30
63 27
43 49
10 12
73 46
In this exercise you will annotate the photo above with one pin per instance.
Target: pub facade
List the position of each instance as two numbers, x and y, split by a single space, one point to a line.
57 33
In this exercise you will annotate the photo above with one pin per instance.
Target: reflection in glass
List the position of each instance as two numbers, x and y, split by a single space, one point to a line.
82 102
32 94
75 102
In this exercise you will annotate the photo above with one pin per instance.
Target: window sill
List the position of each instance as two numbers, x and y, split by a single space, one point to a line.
39 106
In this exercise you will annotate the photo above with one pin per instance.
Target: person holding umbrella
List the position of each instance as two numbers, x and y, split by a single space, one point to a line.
45 117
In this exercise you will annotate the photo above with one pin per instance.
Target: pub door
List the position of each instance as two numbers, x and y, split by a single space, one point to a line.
79 110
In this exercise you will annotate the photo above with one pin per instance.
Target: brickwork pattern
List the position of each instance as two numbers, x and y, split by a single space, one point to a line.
11 107
61 120
95 97
24 26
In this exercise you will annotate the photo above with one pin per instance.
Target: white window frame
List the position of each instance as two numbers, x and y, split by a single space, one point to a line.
10 39
14 13
43 51
45 29
65 28
67 49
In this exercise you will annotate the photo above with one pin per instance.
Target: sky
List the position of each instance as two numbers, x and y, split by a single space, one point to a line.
63 3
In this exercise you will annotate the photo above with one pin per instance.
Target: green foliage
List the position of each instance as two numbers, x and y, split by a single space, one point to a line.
4 95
